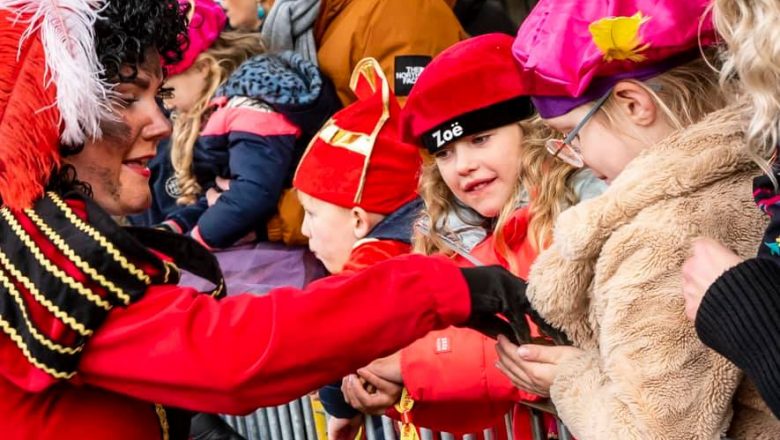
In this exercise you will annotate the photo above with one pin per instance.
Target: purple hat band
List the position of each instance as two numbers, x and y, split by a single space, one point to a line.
554 106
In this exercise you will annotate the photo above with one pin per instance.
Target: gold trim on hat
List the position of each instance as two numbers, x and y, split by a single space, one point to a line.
367 68
361 143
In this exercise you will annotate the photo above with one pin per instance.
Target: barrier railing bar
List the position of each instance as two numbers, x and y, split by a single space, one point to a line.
308 419
296 415
368 427
273 423
284 422
387 428
537 424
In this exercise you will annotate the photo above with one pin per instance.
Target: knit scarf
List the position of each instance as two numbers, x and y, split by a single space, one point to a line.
290 26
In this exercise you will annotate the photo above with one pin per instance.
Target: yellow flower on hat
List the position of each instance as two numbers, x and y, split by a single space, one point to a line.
618 37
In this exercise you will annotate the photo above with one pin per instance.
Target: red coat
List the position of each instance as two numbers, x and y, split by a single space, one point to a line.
180 348
450 373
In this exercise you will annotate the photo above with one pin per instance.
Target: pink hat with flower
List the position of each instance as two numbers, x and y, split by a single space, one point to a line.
206 20
573 51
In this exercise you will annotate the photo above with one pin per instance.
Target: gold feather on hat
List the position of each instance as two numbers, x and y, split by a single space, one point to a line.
618 37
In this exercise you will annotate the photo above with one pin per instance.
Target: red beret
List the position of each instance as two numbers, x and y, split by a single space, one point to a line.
358 157
472 86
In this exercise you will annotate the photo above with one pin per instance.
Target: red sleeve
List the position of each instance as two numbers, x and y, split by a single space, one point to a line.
371 252
191 351
454 369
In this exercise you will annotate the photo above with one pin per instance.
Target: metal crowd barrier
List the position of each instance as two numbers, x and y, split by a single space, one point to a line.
305 419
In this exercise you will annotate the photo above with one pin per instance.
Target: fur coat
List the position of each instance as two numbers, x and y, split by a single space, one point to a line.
612 281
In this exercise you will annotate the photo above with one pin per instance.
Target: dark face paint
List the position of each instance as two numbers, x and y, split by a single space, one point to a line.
115 165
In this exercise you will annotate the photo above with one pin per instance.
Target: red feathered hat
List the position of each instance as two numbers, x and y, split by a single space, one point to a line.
50 90
358 158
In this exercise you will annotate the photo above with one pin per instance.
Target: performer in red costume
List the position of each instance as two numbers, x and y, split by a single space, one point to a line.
93 325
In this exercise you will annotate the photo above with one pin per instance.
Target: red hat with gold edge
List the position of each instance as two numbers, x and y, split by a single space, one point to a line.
358 158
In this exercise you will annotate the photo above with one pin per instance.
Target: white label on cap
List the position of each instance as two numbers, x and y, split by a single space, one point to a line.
442 137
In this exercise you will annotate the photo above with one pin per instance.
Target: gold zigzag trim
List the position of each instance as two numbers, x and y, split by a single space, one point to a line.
162 417
54 270
218 291
81 225
51 307
81 264
170 268
51 345
11 332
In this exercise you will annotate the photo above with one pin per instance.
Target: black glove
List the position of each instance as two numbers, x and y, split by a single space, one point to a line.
495 290
212 427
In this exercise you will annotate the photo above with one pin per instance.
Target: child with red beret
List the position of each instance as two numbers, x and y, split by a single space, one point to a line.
488 170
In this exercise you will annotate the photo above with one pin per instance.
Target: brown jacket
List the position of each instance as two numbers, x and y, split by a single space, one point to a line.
612 281
401 34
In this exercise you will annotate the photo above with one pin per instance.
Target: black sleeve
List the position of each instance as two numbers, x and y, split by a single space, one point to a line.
739 318
333 401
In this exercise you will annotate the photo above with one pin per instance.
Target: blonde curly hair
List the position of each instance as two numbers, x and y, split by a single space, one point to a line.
221 59
751 66
684 95
542 177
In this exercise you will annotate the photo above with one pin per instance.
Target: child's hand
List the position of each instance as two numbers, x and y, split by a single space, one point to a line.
212 195
369 393
387 368
531 367
344 429
223 184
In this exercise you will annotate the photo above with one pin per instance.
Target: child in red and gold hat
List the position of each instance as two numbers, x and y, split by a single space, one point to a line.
625 84
491 194
357 183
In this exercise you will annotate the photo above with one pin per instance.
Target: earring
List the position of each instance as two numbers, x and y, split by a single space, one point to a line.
260 12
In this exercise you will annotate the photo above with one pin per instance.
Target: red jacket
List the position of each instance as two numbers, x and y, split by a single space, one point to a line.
450 373
180 348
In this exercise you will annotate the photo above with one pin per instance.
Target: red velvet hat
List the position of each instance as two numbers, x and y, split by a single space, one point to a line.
50 91
472 86
358 158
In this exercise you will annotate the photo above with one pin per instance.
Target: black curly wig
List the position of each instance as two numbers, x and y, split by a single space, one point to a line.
124 32
128 28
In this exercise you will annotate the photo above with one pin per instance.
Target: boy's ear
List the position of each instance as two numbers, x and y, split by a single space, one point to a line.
361 223
636 103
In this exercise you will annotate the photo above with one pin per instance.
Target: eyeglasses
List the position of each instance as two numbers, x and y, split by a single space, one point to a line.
563 148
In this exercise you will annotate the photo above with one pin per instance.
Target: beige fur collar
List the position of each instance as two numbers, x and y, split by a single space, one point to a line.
679 165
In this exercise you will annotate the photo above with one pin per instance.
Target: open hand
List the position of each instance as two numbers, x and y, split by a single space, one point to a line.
532 368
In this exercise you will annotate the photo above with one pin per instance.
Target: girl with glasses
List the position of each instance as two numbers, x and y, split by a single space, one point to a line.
626 85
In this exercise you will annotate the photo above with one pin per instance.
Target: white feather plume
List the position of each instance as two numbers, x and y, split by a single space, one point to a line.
67 33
